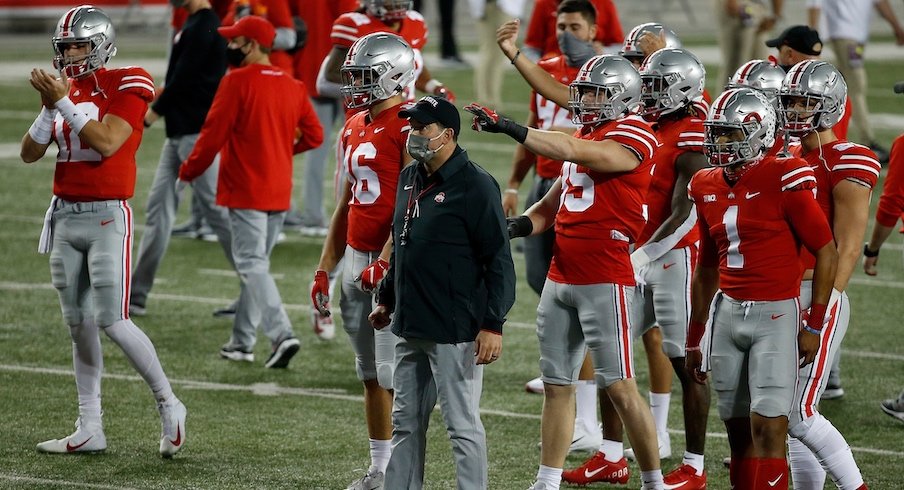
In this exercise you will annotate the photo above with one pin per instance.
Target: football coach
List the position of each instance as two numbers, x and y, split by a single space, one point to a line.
450 283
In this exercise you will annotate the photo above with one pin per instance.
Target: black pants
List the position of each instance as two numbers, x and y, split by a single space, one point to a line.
446 26
538 248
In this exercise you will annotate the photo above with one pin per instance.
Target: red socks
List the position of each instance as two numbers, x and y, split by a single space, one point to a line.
771 474
742 473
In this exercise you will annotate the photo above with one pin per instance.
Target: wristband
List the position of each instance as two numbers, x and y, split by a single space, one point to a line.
513 129
692 349
519 226
695 332
816 318
431 85
516 56
811 330
869 253
42 129
72 115
511 191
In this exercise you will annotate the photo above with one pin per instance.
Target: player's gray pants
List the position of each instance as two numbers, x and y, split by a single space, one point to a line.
665 299
812 378
374 349
253 237
161 213
425 369
328 113
538 248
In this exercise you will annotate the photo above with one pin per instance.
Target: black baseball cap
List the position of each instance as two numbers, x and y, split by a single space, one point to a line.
431 110
799 38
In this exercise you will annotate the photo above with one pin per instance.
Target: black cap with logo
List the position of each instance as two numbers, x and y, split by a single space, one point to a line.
431 110
799 38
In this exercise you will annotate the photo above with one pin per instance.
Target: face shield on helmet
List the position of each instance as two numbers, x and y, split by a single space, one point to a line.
813 94
671 79
632 52
388 10
607 87
83 25
740 128
377 67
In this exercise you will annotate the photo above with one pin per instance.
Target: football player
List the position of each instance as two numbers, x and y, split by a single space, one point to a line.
753 212
375 73
890 208
575 28
95 116
666 251
767 78
813 96
586 300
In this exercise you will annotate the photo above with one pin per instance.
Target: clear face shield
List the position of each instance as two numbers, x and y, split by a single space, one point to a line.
591 104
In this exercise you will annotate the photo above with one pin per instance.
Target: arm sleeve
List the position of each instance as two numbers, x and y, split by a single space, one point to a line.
311 130
185 71
214 133
489 234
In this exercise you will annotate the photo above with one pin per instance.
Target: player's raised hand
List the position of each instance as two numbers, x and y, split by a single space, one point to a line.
486 119
320 292
507 36
51 88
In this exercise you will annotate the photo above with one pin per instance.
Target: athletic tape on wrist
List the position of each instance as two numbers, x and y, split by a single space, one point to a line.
41 129
74 117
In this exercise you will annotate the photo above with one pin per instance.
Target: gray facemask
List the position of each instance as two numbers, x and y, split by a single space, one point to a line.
419 147
576 51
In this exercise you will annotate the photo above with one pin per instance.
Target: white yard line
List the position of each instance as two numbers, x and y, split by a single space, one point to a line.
27 480
273 389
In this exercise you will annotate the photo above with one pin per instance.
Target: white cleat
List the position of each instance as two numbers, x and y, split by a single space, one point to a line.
372 480
172 431
585 438
534 386
665 448
87 438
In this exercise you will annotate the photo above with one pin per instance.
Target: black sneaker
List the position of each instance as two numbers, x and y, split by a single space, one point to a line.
225 312
283 353
234 353
880 151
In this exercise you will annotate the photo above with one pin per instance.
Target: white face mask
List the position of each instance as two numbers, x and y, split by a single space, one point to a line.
419 147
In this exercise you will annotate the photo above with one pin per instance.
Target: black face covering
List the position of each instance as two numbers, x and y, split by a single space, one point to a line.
235 56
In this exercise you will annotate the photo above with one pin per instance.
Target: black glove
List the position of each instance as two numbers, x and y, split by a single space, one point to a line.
519 226
486 119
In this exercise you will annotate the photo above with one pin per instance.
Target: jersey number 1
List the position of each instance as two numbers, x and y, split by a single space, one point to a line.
730 219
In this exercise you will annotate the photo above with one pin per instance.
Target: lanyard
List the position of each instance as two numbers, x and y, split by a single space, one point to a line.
412 209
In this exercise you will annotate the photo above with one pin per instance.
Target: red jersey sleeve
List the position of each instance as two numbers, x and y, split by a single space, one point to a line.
346 29
215 131
891 202
137 81
708 254
805 216
636 135
133 93
416 31
690 139
309 125
856 162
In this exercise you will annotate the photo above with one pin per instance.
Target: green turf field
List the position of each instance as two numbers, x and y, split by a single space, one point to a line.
249 427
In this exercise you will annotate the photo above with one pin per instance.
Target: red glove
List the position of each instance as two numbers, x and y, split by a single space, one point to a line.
444 92
320 292
371 275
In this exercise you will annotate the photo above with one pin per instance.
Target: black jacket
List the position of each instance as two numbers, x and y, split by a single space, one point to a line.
196 65
451 272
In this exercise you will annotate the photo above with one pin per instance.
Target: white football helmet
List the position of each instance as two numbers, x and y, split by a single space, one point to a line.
740 127
630 49
823 91
607 87
387 10
84 24
763 76
672 79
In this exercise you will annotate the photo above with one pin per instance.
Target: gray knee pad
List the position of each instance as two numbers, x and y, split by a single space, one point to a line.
799 428
66 288
384 376
107 294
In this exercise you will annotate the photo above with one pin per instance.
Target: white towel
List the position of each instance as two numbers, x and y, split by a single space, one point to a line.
45 243
706 342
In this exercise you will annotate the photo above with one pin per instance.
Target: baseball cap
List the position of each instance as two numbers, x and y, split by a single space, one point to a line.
799 38
432 109
251 27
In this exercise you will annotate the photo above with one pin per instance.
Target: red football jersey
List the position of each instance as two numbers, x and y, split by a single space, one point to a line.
549 114
891 202
373 155
82 173
676 136
833 163
541 30
746 229
319 18
601 214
